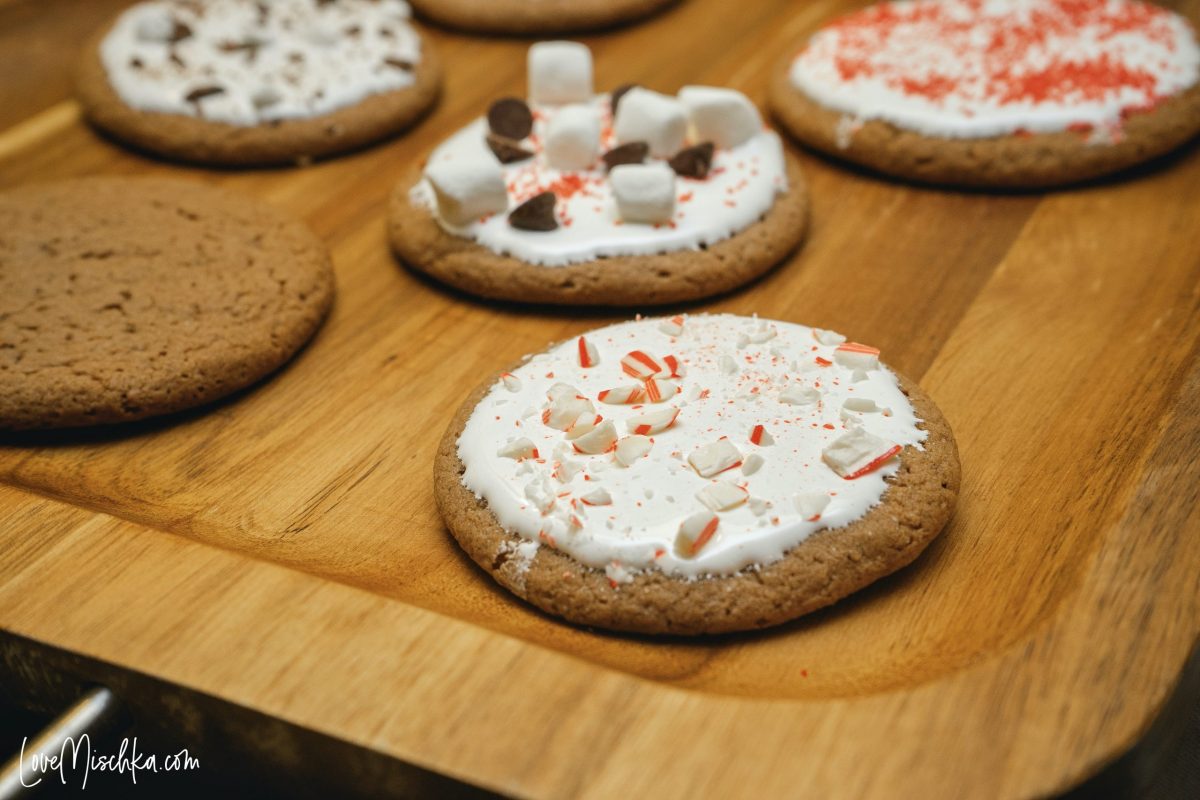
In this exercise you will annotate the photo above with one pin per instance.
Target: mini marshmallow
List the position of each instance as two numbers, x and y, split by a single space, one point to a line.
856 356
725 117
652 422
631 448
560 73
857 453
468 189
714 458
722 495
518 449
797 395
573 138
644 192
656 119
598 440
811 504
694 533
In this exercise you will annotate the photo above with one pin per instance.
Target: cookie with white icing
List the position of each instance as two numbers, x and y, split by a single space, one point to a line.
240 82
697 474
536 16
570 197
1006 93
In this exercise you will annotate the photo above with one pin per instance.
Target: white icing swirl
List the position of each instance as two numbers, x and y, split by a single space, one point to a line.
978 68
267 59
739 190
740 372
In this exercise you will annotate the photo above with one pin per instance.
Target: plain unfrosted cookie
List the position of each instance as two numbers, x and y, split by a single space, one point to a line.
767 481
536 16
1007 95
635 197
236 82
125 298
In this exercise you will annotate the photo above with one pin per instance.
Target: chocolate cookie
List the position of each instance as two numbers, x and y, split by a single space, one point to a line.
695 475
573 198
1054 99
125 298
535 16
298 81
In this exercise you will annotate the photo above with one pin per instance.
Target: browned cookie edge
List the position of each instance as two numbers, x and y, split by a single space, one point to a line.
822 569
548 16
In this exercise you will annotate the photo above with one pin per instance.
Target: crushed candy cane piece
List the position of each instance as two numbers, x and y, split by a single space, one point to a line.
540 494
811 504
672 326
856 453
722 495
518 449
727 364
714 458
585 422
598 440
637 364
511 382
563 411
828 337
653 422
588 357
659 389
856 356
677 370
797 395
631 448
761 436
617 574
597 497
752 464
858 376
623 395
694 533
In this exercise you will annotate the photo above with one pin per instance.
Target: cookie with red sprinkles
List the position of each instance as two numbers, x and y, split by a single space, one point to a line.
571 197
695 474
995 93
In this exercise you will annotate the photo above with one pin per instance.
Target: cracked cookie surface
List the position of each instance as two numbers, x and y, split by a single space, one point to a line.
125 298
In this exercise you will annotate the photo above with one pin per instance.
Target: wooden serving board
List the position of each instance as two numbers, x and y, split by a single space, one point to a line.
281 550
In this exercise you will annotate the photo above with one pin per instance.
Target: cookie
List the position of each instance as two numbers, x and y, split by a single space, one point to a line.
125 298
670 198
535 16
238 82
1008 94
695 475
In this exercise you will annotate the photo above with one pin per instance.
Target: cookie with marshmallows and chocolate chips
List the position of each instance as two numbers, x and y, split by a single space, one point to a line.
536 16
695 474
574 198
995 94
239 82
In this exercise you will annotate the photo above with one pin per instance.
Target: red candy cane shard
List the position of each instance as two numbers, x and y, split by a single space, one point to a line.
588 357
639 365
694 533
676 369
876 464
856 356
622 395
653 422
824 362
760 436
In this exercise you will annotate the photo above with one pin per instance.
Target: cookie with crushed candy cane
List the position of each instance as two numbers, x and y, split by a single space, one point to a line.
695 474
1002 93
240 82
577 198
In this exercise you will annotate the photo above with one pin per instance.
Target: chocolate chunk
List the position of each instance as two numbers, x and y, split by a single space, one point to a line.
507 150
628 153
399 63
618 93
535 214
196 95
693 162
510 118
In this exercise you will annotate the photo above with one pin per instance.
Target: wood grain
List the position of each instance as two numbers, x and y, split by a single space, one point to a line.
281 550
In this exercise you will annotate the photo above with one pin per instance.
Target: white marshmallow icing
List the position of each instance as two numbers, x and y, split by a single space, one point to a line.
738 191
739 372
979 68
267 59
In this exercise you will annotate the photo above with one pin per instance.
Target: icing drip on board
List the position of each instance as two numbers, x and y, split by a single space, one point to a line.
978 68
751 418
246 63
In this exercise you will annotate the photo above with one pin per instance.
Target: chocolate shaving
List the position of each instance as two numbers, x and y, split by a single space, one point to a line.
250 47
399 63
618 93
176 60
628 153
196 95
511 118
507 150
693 162
353 30
535 214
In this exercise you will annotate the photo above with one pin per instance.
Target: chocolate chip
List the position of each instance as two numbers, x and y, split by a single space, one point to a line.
196 95
693 162
510 118
399 63
507 150
179 32
136 63
535 214
618 93
628 153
